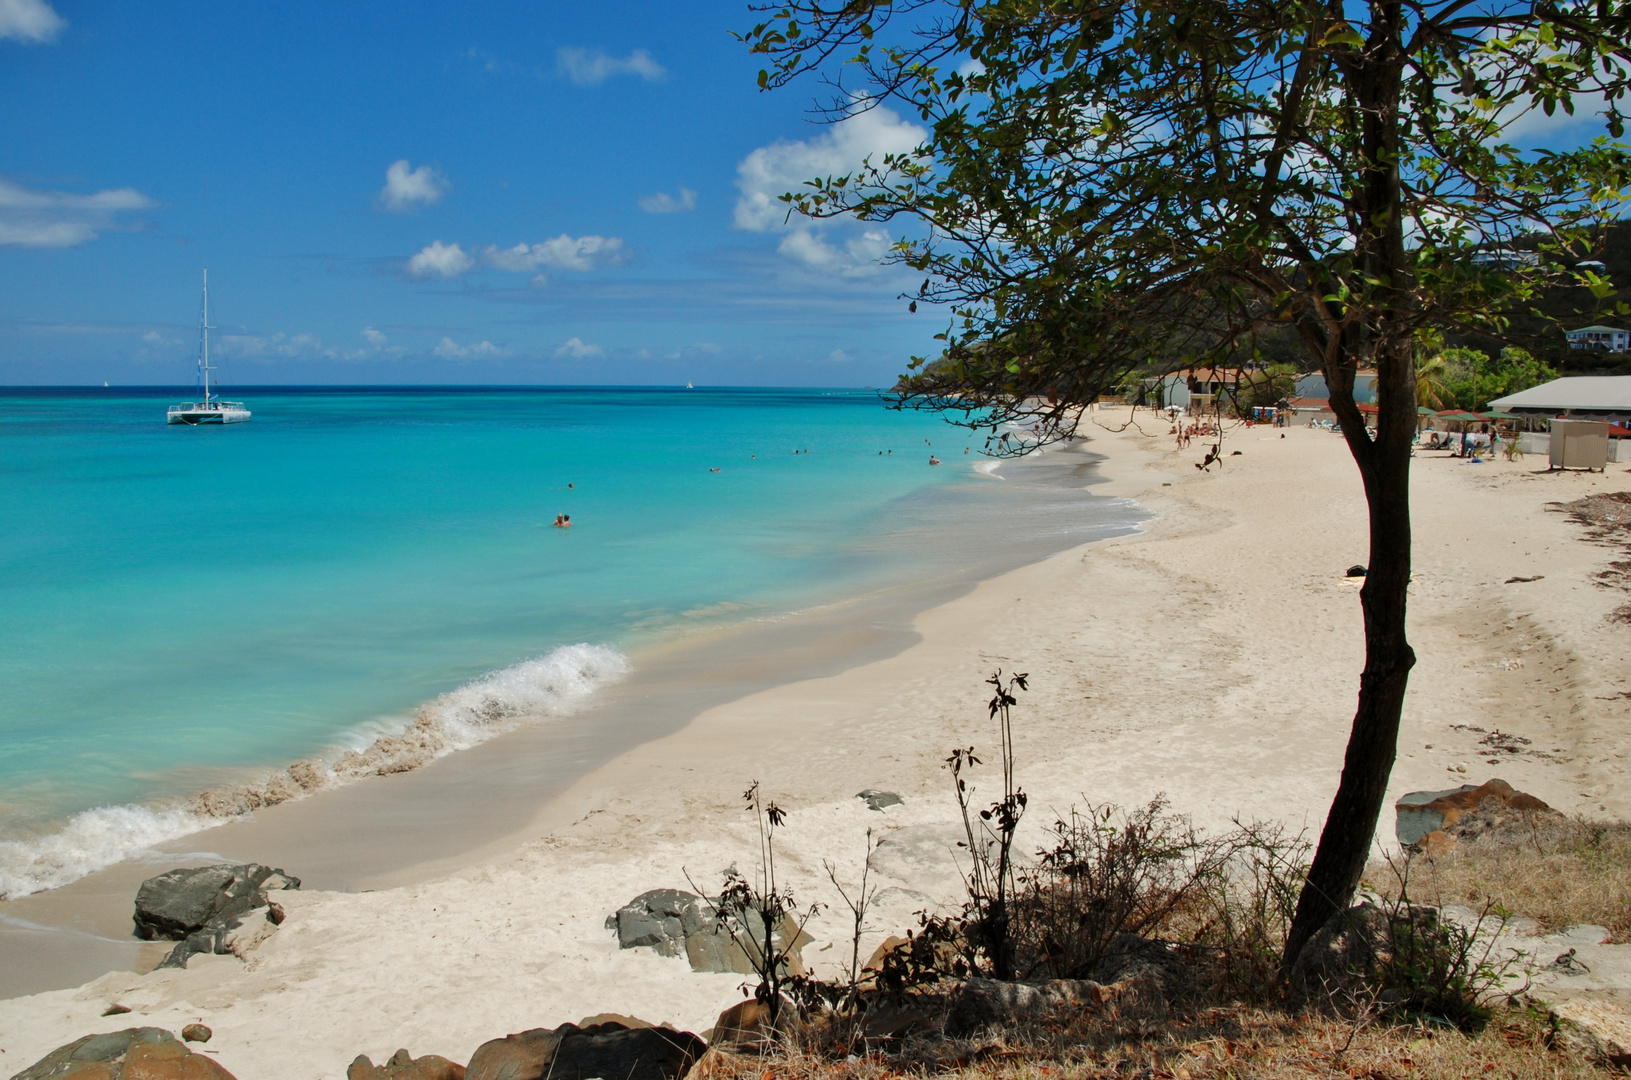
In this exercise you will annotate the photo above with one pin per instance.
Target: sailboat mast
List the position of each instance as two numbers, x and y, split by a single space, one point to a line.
204 328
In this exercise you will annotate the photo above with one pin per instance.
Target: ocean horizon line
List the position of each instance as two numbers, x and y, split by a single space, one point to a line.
20 389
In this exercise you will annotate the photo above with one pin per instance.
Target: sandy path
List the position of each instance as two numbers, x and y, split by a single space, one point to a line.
1214 657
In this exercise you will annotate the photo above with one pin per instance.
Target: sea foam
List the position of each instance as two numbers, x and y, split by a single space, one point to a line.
553 685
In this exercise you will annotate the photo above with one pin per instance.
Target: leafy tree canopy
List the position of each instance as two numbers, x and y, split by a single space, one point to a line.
1106 183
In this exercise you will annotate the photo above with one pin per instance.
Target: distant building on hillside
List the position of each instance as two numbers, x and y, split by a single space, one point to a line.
1600 338
1581 397
1505 258
1313 385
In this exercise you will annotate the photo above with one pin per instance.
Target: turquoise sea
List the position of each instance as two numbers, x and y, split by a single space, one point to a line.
180 607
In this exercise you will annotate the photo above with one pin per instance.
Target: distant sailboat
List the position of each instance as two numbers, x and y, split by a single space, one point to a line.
688 385
211 410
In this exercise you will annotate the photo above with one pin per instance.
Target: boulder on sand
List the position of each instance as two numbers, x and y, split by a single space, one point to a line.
573 1053
182 902
1434 819
210 909
404 1066
132 1054
677 923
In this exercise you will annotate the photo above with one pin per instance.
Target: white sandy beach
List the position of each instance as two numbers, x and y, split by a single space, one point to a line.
1214 657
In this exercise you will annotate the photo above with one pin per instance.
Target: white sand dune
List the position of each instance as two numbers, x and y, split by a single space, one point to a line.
1214 657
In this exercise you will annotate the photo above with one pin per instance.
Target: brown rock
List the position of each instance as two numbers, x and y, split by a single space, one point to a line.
169 1061
132 1054
404 1066
721 1065
618 1019
881 953
196 1033
522 1056
1435 826
744 1028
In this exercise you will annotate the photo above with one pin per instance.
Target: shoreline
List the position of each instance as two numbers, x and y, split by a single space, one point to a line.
1213 656
370 831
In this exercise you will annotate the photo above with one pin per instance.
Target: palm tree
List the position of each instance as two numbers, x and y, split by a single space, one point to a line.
1431 390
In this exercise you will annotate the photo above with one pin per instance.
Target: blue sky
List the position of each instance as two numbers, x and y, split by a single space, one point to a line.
385 193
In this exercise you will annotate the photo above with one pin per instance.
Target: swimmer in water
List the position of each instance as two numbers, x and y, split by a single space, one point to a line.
933 460
563 521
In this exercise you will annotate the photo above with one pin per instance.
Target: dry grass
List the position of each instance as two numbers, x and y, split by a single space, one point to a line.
1559 871
1216 1043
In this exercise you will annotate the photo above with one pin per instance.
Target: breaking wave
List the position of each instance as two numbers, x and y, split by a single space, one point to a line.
553 685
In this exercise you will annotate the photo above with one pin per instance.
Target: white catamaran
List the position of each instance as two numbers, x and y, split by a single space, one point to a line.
210 410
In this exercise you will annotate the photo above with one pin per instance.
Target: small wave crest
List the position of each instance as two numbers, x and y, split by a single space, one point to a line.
552 685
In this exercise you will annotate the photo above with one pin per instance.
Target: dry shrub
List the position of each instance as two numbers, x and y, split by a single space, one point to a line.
1107 874
1558 871
1208 1044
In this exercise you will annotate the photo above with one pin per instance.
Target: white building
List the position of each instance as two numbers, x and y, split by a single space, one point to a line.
1505 258
1581 397
1601 338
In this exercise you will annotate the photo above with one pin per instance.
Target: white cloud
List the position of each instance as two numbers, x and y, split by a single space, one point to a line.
856 256
439 259
58 219
839 356
764 175
837 246
591 67
254 346
695 350
664 203
449 349
29 20
373 337
577 349
407 188
563 253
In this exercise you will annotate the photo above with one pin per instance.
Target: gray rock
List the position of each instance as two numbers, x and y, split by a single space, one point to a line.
182 902
1414 819
655 918
985 1003
210 909
1132 960
610 1050
877 800
572 1053
677 923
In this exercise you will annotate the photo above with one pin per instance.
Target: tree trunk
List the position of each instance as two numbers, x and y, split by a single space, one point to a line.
1384 463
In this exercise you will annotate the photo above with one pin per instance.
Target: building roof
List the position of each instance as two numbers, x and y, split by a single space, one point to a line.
1598 330
1206 374
1581 393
